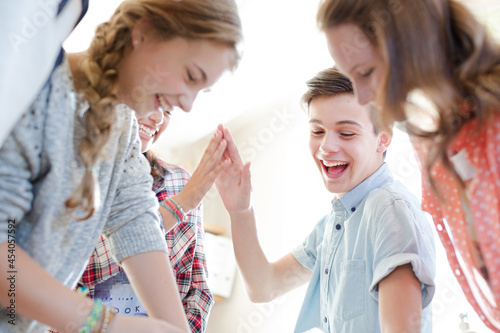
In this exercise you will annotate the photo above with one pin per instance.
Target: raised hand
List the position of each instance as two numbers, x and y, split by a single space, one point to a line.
212 164
234 185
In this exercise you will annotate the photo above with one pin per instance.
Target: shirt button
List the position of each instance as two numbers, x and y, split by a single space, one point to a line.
338 227
326 271
325 320
353 209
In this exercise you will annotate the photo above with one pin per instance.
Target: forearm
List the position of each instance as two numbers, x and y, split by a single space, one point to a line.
152 278
168 218
62 308
257 271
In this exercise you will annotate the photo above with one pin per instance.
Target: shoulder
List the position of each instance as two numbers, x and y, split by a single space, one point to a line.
172 178
392 202
394 209
390 193
173 171
125 121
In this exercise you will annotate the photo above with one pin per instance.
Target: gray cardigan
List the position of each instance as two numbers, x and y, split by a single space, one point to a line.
40 168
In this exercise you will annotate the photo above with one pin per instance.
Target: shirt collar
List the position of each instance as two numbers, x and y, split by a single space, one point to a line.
352 199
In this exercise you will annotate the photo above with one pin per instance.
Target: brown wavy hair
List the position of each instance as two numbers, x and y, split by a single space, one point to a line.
434 46
213 20
331 82
157 167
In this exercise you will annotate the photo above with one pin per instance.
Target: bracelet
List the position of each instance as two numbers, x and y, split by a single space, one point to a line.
174 208
177 217
94 315
180 213
107 319
82 290
179 208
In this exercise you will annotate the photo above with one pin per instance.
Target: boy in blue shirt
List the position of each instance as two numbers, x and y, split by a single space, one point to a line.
370 262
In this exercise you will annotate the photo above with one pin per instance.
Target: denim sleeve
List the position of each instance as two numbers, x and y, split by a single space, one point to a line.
404 236
307 252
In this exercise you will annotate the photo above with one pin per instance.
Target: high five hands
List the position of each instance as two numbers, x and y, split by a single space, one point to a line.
234 184
221 163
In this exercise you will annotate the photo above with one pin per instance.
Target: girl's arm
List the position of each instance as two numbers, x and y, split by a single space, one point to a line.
150 274
400 301
41 297
202 179
264 280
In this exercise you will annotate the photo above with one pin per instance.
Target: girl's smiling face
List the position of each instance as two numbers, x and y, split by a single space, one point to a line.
343 142
161 75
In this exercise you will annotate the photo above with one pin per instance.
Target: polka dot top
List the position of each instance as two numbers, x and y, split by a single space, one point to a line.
468 222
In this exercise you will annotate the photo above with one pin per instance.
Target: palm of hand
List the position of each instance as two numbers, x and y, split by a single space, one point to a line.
234 189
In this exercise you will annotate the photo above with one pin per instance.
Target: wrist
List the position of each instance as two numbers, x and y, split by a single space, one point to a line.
184 202
174 208
242 214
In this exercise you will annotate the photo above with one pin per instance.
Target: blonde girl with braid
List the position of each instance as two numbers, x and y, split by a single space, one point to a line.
72 167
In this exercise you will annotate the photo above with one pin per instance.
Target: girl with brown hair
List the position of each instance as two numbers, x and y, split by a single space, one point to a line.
72 168
431 65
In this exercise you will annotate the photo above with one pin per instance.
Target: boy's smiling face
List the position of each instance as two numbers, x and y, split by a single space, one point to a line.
343 142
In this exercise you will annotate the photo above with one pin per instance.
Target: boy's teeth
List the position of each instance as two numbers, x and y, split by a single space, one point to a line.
330 164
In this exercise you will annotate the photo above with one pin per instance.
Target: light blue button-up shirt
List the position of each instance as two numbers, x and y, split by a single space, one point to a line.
371 230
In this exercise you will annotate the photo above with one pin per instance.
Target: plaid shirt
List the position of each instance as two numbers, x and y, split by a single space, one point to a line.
187 256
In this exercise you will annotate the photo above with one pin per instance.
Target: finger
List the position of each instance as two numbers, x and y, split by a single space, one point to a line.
221 127
232 150
224 166
218 155
246 179
212 146
215 159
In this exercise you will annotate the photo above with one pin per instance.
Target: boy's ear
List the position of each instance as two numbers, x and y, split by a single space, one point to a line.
384 141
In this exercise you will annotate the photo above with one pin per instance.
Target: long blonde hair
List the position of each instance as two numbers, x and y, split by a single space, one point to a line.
435 46
213 20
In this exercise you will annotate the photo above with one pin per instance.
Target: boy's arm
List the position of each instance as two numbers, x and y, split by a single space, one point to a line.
400 301
151 276
264 281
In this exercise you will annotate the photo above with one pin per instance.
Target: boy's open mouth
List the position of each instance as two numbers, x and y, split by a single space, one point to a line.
334 168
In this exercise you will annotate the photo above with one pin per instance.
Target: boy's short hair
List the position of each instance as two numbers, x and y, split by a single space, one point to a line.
330 82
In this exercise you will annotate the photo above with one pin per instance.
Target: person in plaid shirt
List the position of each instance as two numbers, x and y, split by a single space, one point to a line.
187 256
105 278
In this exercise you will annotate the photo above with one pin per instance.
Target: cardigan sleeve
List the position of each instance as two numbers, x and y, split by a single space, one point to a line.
133 226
